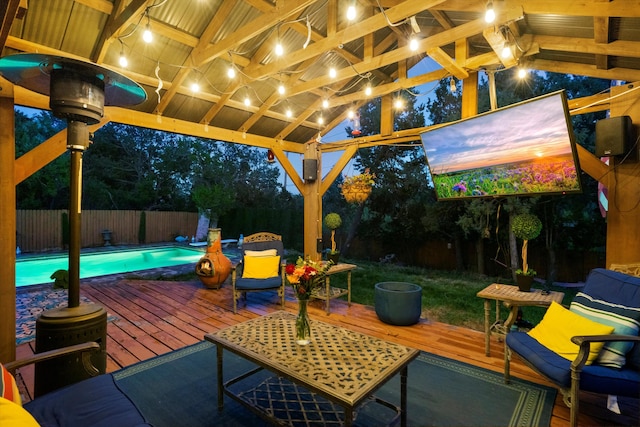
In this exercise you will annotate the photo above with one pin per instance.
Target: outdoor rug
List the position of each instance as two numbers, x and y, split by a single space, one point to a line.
30 303
180 389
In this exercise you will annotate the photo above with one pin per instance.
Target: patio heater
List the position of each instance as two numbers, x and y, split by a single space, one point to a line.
78 92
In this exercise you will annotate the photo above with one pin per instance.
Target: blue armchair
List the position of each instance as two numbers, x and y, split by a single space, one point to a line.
608 297
261 268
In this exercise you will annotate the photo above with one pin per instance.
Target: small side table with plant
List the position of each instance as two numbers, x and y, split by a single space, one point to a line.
525 226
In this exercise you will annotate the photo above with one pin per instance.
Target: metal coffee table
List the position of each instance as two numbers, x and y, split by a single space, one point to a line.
339 367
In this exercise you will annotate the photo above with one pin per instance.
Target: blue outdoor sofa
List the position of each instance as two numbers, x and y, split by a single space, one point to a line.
608 297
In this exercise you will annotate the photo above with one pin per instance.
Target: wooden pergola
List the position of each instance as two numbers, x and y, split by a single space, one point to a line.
197 42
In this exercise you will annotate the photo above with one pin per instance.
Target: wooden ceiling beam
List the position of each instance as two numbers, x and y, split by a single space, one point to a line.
585 70
348 34
8 11
584 45
116 24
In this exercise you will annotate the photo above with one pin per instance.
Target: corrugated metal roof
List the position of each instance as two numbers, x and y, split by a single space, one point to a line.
246 37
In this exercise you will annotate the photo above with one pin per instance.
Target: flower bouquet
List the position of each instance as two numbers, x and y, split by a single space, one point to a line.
304 277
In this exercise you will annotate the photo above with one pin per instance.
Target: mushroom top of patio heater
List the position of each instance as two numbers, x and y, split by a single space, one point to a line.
77 89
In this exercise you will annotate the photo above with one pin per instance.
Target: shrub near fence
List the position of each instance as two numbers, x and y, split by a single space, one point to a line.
41 230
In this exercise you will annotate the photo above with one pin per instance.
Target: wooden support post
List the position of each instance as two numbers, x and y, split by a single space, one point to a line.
312 205
470 96
386 115
7 225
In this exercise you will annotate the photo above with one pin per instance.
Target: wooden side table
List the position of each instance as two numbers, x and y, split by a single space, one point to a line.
329 292
513 298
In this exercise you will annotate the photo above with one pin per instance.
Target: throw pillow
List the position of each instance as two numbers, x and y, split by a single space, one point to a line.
260 267
12 414
625 321
8 386
266 252
559 325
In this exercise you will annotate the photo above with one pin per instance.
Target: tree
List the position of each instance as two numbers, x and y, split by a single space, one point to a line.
401 179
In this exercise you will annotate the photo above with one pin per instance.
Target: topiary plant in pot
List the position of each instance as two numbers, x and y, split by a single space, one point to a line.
333 221
525 226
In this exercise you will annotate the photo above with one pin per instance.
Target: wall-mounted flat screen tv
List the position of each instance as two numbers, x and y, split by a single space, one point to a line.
524 149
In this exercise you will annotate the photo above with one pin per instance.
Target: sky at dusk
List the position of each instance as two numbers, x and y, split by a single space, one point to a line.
534 129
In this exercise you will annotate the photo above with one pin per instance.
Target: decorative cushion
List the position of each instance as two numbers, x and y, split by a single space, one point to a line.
8 386
560 324
12 414
625 321
266 252
260 267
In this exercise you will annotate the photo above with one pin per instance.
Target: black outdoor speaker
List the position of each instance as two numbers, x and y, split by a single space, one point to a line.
310 169
613 136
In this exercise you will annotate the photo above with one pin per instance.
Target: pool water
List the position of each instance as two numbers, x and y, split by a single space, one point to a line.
32 271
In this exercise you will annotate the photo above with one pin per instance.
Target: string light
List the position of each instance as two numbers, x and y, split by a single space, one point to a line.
231 72
398 104
279 49
247 101
506 51
281 89
332 73
325 103
288 113
522 72
320 120
195 87
351 11
350 114
123 59
147 36
367 90
489 14
413 44
452 85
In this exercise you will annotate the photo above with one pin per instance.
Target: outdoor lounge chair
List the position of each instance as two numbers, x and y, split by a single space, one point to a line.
610 299
96 401
261 267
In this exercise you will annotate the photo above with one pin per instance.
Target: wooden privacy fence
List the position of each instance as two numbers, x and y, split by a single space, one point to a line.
42 230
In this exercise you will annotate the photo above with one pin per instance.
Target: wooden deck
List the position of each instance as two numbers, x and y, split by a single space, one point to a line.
156 317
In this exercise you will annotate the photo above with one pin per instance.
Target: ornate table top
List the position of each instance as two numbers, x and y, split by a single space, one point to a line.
512 295
346 365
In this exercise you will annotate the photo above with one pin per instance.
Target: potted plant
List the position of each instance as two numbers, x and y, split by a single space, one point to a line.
525 226
356 188
333 221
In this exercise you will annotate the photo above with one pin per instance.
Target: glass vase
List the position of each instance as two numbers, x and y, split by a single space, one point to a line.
303 327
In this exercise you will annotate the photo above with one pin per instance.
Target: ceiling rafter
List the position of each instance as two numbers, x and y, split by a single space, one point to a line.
116 24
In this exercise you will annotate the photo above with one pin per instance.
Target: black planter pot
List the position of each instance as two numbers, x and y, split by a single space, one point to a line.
524 282
333 257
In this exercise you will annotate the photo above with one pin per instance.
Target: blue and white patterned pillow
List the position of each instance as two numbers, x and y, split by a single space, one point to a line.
625 320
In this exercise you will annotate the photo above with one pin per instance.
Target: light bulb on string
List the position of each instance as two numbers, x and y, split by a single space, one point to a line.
332 73
351 11
281 89
350 114
279 49
522 72
247 101
413 44
195 87
367 90
398 104
325 103
489 14
231 72
452 85
506 51
320 120
288 113
123 60
147 36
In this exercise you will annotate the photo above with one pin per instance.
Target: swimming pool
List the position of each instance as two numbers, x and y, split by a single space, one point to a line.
34 270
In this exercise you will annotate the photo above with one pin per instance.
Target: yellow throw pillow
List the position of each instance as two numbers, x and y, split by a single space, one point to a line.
559 325
8 386
12 414
260 267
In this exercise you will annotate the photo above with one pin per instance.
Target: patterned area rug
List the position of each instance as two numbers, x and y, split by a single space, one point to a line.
30 303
